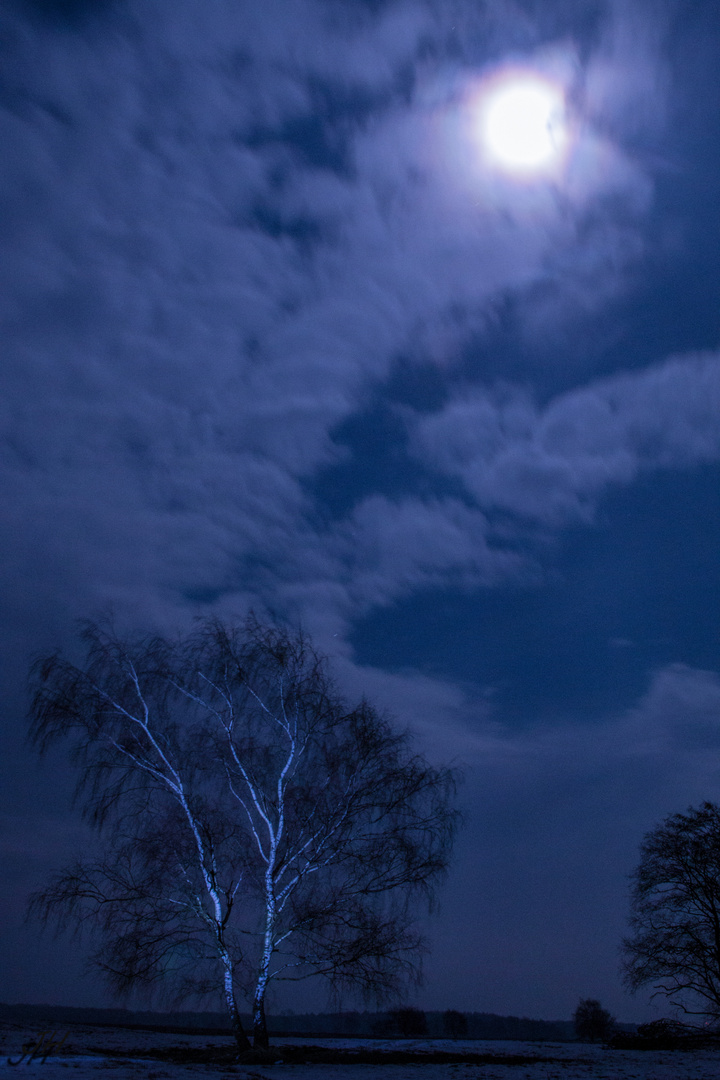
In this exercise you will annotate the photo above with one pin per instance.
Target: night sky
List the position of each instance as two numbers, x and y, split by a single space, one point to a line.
278 332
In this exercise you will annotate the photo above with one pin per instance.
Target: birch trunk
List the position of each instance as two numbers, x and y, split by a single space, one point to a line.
243 1043
260 1033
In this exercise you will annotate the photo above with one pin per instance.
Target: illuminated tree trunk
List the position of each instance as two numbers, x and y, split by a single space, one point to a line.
243 1043
260 1033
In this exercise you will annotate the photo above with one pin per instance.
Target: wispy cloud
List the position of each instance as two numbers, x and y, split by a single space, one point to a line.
552 464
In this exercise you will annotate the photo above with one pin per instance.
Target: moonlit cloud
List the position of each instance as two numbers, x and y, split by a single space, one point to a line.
553 464
400 546
193 330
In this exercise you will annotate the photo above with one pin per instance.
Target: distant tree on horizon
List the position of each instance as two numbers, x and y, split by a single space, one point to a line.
675 913
592 1022
409 1022
455 1024
254 826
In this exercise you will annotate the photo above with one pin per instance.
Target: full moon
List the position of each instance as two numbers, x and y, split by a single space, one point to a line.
522 123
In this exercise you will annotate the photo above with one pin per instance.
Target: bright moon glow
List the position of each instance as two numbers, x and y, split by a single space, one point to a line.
523 123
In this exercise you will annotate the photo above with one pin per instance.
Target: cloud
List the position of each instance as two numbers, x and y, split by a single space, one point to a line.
196 298
681 713
672 732
394 547
552 464
626 83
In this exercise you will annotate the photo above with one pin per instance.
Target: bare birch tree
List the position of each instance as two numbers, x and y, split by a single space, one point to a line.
163 891
253 820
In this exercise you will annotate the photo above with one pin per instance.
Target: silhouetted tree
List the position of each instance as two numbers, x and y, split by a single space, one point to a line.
592 1022
255 827
675 912
410 1023
455 1024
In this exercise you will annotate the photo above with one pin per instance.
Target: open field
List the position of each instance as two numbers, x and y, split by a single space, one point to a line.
117 1054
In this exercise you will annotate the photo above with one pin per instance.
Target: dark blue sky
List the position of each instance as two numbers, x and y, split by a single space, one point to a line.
276 334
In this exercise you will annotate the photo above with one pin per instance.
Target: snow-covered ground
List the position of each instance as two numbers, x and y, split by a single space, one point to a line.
75 1060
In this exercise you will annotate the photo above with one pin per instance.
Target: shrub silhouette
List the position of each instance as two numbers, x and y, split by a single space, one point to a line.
592 1022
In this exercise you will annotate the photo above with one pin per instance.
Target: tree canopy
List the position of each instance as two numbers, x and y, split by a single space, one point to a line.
675 912
592 1022
255 827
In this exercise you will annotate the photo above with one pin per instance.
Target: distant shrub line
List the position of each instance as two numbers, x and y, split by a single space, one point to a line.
345 1024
